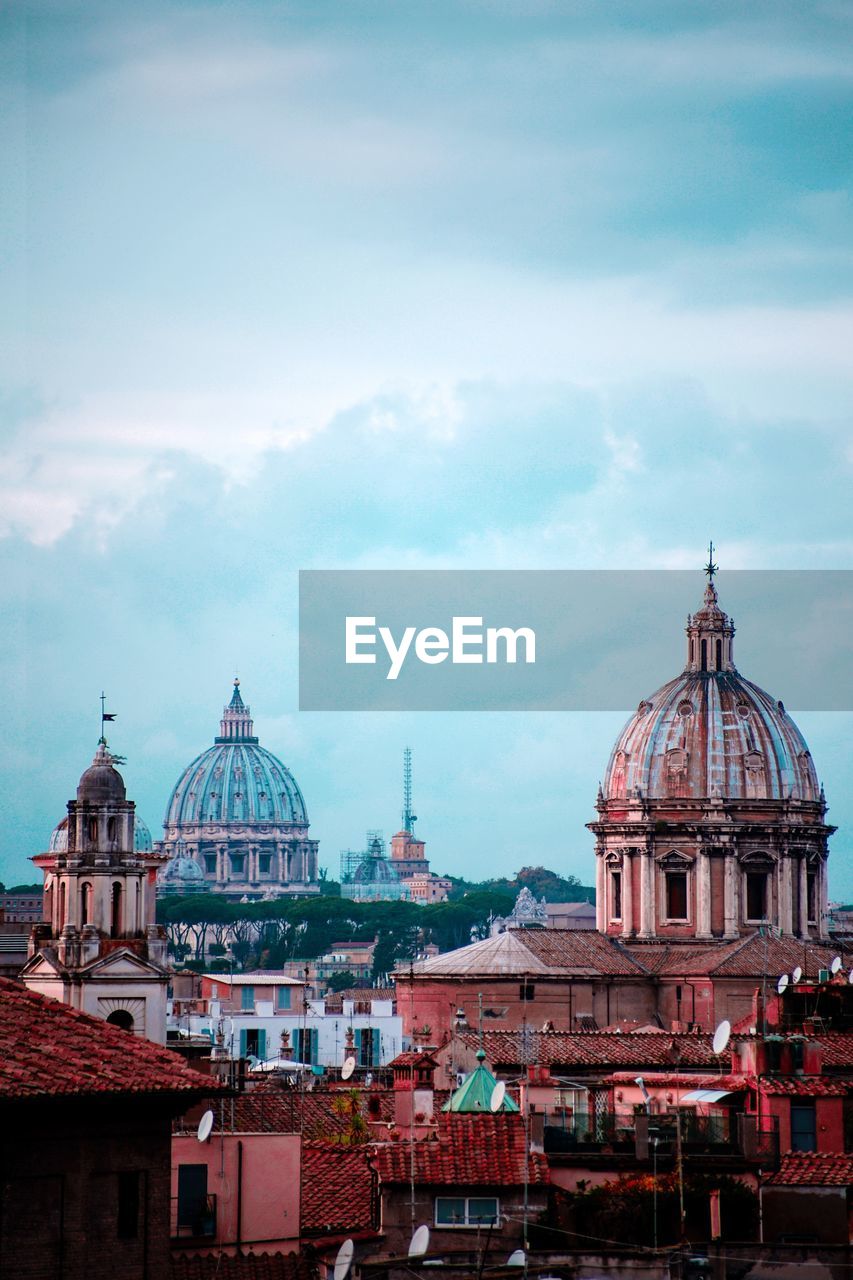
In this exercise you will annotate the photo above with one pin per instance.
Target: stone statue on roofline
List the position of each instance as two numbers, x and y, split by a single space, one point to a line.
528 913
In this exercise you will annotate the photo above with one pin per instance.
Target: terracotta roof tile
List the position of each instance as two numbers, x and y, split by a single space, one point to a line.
601 1049
470 1150
805 1086
338 1189
249 1266
50 1050
813 1169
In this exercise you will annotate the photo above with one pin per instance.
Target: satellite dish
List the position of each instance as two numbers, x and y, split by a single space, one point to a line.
836 964
796 976
721 1037
343 1261
496 1101
782 984
205 1127
348 1068
419 1242
516 1258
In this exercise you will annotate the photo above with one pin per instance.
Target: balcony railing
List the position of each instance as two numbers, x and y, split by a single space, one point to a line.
731 1134
194 1218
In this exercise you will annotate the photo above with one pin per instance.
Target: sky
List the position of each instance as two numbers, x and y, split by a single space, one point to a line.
392 285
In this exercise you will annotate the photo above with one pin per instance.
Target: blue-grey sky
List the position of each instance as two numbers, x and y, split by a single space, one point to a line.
336 285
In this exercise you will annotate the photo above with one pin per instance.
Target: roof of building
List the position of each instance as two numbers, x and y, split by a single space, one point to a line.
602 1049
711 733
255 978
804 1086
475 1092
813 1169
235 780
334 999
531 953
470 1150
247 1266
268 1108
752 956
338 1189
50 1050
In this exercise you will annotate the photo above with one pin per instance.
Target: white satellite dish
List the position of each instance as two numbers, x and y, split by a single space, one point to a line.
797 975
496 1101
836 964
343 1261
516 1258
782 984
205 1127
348 1068
419 1242
721 1037
850 976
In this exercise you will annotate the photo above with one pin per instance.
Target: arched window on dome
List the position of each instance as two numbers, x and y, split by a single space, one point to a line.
85 903
61 913
93 831
719 655
616 894
116 902
704 651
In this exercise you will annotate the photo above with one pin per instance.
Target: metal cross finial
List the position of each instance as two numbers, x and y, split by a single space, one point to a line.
710 567
105 716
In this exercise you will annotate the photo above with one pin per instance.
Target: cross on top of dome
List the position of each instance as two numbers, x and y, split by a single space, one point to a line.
710 631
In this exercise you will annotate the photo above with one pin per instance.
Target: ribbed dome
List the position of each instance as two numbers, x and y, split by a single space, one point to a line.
711 733
182 874
235 780
101 783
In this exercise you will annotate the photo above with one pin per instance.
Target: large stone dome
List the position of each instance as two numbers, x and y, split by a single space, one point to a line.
235 780
711 821
237 814
142 842
711 734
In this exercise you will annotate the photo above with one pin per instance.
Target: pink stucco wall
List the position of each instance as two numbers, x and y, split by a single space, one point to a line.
269 1205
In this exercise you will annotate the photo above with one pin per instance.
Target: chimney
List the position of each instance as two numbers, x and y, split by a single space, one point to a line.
414 1090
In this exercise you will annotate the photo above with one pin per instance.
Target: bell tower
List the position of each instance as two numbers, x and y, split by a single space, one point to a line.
101 951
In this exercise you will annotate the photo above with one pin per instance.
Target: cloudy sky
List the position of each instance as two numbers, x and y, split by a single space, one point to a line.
389 285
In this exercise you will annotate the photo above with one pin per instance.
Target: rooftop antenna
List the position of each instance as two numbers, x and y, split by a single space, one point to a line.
348 1068
721 1037
782 984
205 1127
419 1242
835 966
796 976
343 1262
409 818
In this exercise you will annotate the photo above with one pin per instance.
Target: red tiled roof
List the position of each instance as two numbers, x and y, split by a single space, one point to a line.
805 1086
470 1150
813 1169
601 1049
288 1111
837 1048
575 949
682 1081
50 1050
249 1266
411 1058
749 957
338 1189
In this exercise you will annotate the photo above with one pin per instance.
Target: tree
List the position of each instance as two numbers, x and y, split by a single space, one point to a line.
342 981
347 1107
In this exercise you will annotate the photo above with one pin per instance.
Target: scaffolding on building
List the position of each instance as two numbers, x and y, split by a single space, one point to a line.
369 875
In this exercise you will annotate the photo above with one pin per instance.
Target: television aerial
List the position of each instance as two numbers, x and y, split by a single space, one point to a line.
496 1101
782 984
343 1261
348 1068
721 1037
796 976
419 1242
205 1127
516 1258
836 965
